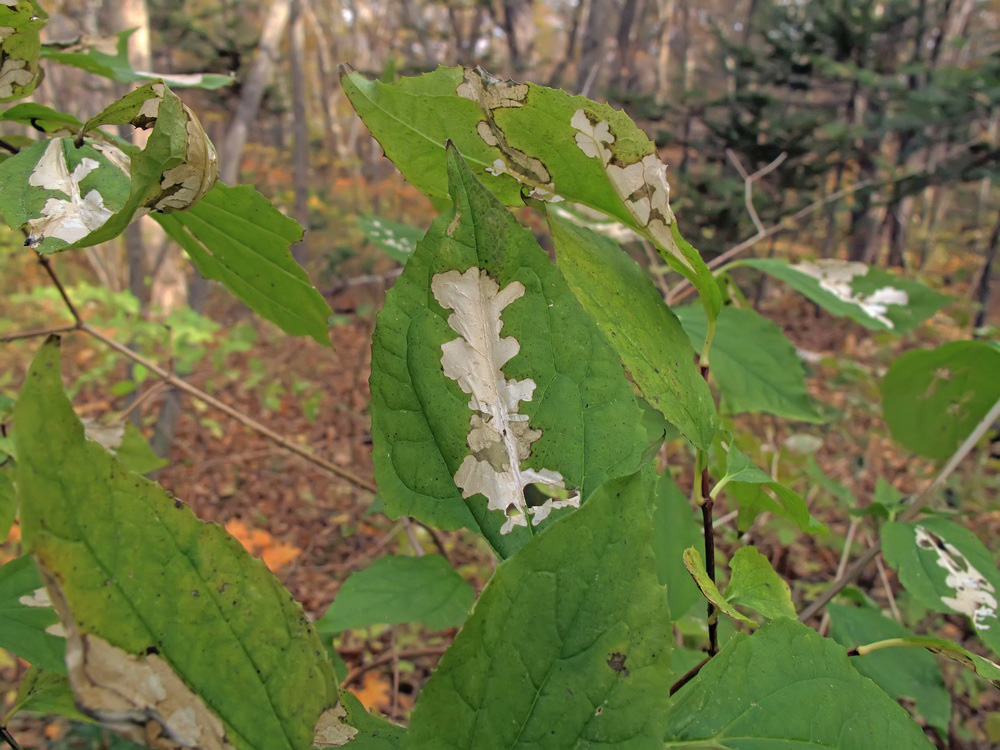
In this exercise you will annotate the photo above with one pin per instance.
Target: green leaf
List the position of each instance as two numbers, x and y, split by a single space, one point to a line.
21 22
27 621
756 491
696 567
374 732
947 569
754 364
877 299
674 530
903 675
640 327
577 421
108 57
236 236
44 118
394 590
933 399
150 595
393 238
754 583
8 497
569 644
524 139
135 454
785 686
43 692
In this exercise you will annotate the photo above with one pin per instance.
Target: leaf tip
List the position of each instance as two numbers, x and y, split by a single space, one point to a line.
345 69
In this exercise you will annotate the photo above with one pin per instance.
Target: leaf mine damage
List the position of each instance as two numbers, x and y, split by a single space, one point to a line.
974 597
835 276
500 437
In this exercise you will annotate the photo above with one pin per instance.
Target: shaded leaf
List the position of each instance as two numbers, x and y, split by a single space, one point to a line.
933 399
947 569
43 118
868 295
642 329
149 595
8 498
480 314
29 626
754 364
983 667
374 732
108 57
43 692
785 686
393 238
21 22
902 674
236 236
754 583
394 590
569 644
674 530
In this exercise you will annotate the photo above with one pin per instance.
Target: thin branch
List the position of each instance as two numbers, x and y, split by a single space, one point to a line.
7 737
239 416
709 529
387 659
748 181
36 333
908 515
9 147
689 675
43 260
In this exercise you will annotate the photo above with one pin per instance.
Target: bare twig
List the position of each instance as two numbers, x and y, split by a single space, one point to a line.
43 260
689 675
748 181
841 567
707 521
387 659
908 515
7 737
36 333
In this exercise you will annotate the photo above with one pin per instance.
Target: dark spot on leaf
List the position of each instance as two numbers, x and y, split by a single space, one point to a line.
195 593
151 650
617 662
599 711
178 504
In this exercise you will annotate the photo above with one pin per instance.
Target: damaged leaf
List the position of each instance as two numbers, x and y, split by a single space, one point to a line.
983 667
20 44
569 644
528 141
877 299
162 621
696 567
486 372
947 569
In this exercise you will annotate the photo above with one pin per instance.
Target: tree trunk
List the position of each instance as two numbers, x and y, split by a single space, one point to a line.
592 50
300 130
519 26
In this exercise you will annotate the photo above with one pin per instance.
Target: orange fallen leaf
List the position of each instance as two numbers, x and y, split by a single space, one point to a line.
260 543
374 690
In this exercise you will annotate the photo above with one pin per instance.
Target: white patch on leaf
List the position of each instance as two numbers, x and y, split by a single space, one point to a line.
835 276
15 74
330 729
974 597
642 185
37 598
73 218
500 437
138 696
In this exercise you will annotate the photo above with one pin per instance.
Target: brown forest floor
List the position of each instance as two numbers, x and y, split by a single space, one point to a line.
312 529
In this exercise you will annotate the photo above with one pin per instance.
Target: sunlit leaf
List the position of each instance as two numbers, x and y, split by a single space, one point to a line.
754 583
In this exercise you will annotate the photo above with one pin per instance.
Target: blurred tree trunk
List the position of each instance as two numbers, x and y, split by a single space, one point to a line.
275 23
667 34
600 14
623 40
981 287
519 26
555 80
300 129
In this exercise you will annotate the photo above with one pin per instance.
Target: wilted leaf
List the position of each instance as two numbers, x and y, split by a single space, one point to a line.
151 596
488 375
947 569
983 667
876 299
787 687
394 590
569 644
639 325
696 567
933 399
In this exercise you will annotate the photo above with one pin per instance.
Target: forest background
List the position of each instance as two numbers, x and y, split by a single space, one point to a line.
855 129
